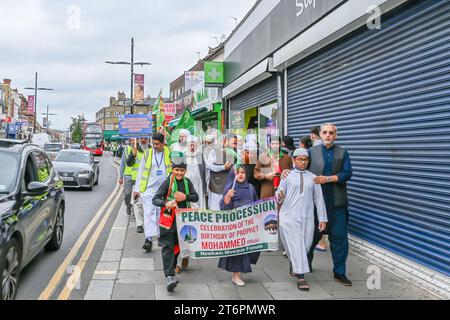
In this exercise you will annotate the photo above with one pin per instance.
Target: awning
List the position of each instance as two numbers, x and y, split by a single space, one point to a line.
111 135
174 122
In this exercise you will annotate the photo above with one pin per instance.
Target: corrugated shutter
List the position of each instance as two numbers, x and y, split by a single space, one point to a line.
388 91
258 95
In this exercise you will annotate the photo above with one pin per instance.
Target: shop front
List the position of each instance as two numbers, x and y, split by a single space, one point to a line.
111 135
255 112
384 81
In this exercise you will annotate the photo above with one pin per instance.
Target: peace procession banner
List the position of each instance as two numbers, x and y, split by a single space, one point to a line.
212 234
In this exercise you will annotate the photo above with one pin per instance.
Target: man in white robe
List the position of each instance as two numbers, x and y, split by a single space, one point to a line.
181 145
298 194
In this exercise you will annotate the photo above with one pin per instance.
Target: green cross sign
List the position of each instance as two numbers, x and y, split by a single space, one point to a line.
214 74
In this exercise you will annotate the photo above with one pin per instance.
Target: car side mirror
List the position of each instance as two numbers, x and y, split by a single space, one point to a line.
36 188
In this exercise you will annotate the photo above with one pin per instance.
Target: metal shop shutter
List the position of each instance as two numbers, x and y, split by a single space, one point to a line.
388 91
260 94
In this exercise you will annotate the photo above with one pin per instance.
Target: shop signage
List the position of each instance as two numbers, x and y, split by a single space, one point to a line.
237 120
193 78
285 22
214 74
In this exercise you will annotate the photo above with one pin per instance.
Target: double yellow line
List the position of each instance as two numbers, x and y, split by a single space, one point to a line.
62 269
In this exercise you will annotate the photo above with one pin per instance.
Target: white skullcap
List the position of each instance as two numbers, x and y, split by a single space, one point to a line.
249 146
209 138
185 132
192 139
300 152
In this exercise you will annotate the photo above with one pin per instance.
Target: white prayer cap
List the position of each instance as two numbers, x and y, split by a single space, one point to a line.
192 139
185 132
300 152
249 146
209 138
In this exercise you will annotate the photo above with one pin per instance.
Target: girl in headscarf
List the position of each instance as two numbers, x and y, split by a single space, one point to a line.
238 192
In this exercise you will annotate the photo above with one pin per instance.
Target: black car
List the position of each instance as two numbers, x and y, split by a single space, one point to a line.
77 168
31 210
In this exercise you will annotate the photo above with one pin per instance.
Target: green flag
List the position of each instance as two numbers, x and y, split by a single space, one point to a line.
156 110
186 122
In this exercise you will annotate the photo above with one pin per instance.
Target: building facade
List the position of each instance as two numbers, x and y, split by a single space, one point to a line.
379 70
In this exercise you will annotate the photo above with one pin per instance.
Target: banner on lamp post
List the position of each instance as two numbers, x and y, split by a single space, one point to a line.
31 104
138 87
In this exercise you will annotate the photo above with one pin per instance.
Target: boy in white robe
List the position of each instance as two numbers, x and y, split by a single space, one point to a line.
298 194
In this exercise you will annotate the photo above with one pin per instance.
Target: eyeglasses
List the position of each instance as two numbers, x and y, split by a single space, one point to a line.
331 133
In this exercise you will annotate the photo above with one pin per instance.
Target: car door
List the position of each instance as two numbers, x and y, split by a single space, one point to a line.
29 209
43 222
93 166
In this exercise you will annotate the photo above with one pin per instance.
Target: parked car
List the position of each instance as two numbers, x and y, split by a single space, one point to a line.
31 210
52 149
77 168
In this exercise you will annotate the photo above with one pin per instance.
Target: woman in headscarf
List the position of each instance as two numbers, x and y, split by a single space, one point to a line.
238 192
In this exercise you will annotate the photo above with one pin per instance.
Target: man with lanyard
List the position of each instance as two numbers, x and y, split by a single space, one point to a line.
153 170
134 161
126 179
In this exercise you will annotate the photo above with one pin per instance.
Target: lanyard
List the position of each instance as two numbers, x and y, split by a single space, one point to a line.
158 164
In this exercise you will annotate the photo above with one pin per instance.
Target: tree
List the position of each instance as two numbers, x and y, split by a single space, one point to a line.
76 129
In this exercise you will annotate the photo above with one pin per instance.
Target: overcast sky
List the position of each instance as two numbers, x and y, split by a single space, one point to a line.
67 42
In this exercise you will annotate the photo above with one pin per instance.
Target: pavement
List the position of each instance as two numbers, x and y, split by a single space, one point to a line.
126 272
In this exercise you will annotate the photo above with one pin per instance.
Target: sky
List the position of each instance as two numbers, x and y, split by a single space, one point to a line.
68 42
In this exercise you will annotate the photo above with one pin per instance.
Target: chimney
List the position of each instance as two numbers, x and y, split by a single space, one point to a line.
111 101
7 81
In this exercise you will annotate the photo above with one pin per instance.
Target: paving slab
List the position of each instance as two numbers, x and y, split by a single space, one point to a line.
289 291
111 256
134 292
137 264
106 271
140 277
223 291
254 291
184 292
99 290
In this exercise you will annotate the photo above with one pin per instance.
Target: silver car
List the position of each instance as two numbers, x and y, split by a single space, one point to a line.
77 168
52 149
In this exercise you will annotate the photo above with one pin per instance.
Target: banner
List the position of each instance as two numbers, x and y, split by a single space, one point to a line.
31 105
138 87
193 78
213 234
170 110
135 125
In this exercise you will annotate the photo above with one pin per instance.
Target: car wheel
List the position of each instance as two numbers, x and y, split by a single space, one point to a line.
58 232
10 271
96 180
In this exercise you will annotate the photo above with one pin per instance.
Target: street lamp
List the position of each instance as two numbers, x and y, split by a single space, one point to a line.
36 89
48 121
132 64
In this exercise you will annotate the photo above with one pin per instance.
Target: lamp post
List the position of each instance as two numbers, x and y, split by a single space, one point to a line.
48 121
36 89
131 64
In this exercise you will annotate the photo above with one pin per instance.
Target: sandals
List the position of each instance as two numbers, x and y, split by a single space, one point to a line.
302 285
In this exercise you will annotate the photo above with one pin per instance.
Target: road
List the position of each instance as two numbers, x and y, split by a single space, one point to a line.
81 208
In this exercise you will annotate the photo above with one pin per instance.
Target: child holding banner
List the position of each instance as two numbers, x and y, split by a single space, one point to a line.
238 192
298 194
177 191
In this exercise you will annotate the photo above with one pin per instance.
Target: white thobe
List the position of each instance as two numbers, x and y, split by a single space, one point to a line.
296 223
179 147
214 198
151 212
193 173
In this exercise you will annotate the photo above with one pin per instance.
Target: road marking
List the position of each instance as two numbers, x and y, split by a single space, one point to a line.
105 272
61 271
65 294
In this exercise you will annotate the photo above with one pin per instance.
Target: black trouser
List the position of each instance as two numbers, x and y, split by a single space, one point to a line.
316 239
168 240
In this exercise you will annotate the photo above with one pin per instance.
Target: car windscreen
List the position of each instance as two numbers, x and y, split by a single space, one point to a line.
52 147
8 173
72 157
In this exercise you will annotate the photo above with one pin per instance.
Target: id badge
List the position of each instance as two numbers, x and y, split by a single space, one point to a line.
159 173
